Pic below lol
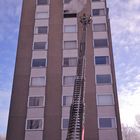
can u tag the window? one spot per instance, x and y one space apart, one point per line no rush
67 100
103 79
99 60
41 30
40 45
65 123
39 63
105 99
99 27
41 15
69 28
42 2
107 123
68 80
70 45
70 62
100 43
98 12
38 81
36 101
34 124
69 15
66 1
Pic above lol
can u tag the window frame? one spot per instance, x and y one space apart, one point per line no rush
69 58
70 85
63 100
99 24
108 94
38 85
39 66
67 2
107 60
99 10
74 41
110 117
26 126
101 39
109 83
42 4
31 96
46 46
62 123
64 30
38 18
36 30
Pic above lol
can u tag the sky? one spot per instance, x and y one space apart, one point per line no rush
125 20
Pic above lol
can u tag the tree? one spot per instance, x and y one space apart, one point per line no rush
137 117
130 133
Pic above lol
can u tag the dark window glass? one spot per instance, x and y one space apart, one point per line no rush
42 2
100 43
39 63
103 79
98 12
35 101
101 60
42 30
65 123
105 122
67 1
70 15
39 45
34 124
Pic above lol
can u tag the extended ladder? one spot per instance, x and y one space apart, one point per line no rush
76 119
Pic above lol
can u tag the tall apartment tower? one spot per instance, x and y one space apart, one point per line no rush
45 71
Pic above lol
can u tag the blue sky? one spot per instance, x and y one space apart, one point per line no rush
125 19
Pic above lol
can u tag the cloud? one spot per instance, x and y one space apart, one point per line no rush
4 110
125 20
9 21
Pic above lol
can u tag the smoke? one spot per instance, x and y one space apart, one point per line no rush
75 6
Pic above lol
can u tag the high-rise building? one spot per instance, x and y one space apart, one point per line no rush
46 66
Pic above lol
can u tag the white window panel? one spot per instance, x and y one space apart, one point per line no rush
70 44
41 15
68 80
69 28
105 99
96 5
37 81
99 27
34 135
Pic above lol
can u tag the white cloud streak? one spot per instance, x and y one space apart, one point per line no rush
125 21
9 21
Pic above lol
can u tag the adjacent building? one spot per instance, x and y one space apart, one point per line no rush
45 71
